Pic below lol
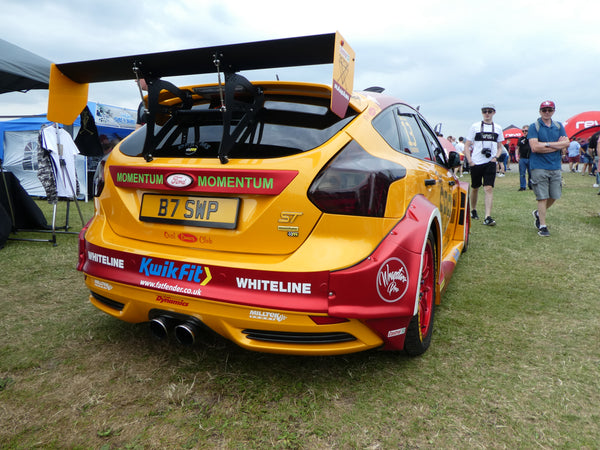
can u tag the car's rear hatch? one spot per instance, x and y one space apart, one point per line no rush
253 202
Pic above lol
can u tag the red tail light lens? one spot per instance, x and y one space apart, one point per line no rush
355 183
81 259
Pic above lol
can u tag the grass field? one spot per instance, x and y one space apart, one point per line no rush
514 361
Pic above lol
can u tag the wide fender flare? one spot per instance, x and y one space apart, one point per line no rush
425 212
386 284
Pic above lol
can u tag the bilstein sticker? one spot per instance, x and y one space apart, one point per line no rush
392 280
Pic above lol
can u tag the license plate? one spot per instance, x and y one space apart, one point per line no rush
211 212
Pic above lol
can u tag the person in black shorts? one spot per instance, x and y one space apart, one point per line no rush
482 150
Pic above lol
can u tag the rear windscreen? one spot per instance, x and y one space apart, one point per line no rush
282 126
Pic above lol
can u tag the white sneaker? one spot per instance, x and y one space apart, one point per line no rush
596 185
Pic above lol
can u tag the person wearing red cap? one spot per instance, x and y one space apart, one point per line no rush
548 139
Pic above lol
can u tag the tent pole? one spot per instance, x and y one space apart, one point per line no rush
68 214
54 224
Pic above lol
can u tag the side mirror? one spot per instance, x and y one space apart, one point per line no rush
454 160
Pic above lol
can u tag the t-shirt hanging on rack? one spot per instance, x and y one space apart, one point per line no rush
63 165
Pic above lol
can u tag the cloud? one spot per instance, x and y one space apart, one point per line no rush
447 57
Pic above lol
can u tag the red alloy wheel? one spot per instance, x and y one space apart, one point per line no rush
426 291
420 328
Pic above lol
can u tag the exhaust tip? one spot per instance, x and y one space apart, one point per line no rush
186 333
159 327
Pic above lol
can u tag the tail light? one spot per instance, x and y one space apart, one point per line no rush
81 258
355 183
99 177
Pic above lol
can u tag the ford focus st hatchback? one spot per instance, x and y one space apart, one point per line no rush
287 217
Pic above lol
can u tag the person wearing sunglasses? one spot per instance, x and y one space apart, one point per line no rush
547 139
482 150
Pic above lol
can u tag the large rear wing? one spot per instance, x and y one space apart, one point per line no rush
69 81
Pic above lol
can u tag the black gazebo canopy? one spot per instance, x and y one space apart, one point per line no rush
21 70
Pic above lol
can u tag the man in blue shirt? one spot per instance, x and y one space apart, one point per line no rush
547 139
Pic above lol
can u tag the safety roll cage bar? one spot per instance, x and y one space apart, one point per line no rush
180 112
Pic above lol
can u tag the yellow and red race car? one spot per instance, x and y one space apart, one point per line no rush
287 217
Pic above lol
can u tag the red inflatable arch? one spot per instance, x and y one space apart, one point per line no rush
583 125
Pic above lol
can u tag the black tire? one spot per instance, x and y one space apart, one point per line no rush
467 226
420 329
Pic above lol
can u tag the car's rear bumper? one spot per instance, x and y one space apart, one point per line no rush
259 329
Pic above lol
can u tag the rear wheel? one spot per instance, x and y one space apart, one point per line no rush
418 334
467 226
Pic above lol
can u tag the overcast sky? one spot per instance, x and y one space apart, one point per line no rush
447 56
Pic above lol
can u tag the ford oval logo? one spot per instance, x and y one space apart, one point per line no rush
179 180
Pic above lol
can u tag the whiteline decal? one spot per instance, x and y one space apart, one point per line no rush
273 286
105 260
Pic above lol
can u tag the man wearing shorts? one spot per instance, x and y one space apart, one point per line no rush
573 151
482 150
547 139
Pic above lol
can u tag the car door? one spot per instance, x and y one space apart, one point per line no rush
446 181
429 179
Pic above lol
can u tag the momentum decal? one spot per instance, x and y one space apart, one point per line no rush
229 181
139 178
392 280
236 182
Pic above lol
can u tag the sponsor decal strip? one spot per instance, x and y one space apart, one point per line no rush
249 287
266 182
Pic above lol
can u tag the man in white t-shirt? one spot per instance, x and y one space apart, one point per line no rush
482 150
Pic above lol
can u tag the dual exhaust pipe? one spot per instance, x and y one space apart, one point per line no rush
185 332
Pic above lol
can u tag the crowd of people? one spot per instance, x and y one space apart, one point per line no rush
540 154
